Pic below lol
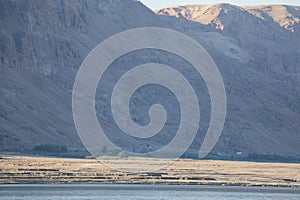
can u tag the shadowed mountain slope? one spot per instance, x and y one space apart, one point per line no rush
43 43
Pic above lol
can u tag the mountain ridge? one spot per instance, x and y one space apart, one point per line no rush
195 12
43 44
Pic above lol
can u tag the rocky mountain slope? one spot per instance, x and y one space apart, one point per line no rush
263 86
42 45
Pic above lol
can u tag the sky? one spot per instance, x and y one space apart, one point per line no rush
155 4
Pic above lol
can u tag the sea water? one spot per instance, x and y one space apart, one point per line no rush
135 192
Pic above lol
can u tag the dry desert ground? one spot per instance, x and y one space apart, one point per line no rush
28 169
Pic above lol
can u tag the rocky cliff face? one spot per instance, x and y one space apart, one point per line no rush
44 36
43 43
287 17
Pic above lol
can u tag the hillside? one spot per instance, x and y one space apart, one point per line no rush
263 88
42 45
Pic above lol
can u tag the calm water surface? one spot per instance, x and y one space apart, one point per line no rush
135 192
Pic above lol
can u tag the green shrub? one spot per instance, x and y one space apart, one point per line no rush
50 148
104 150
267 157
89 157
122 154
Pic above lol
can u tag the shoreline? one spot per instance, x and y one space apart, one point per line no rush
91 184
45 170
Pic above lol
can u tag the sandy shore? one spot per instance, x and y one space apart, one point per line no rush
25 169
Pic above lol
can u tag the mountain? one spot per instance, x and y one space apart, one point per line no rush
42 46
223 14
263 77
256 49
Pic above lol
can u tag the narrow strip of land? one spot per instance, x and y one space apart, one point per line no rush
25 169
